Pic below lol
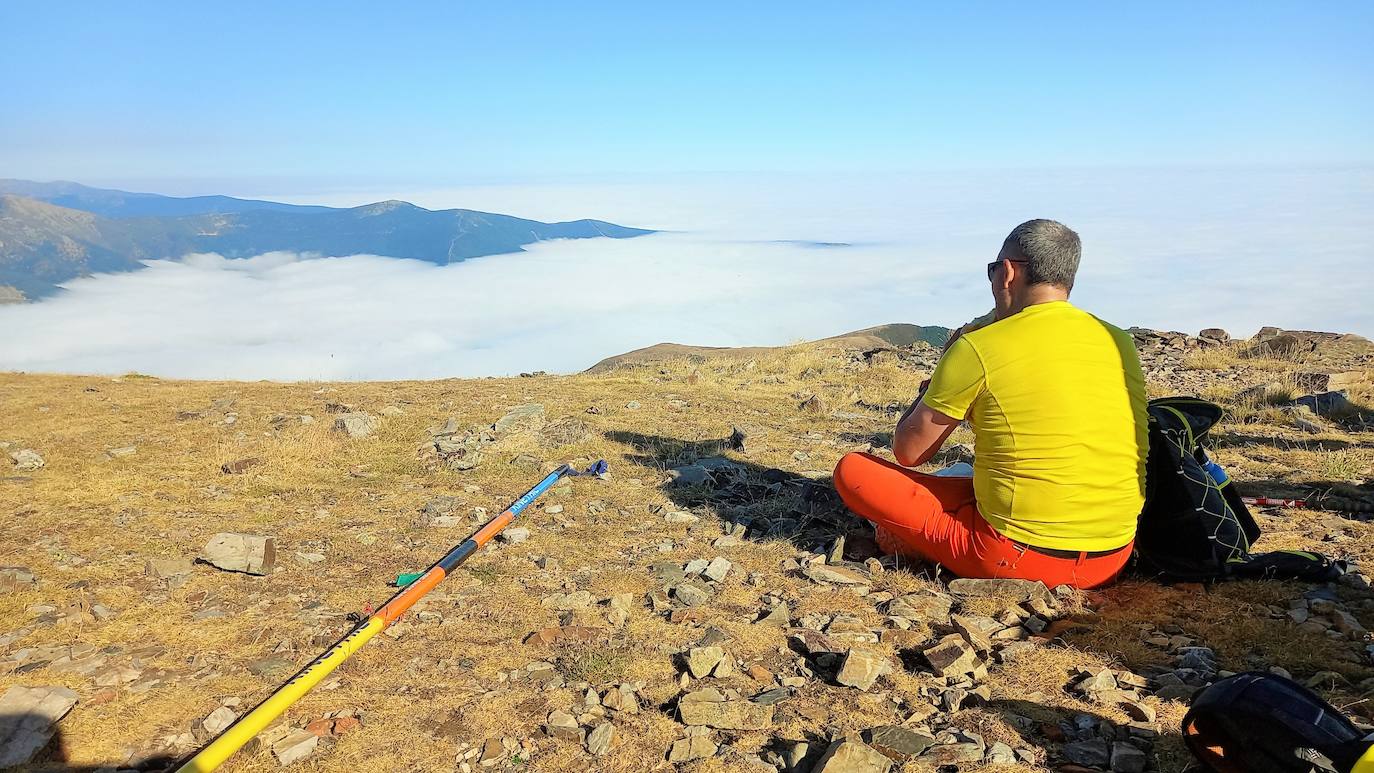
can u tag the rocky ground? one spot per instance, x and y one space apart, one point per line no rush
173 550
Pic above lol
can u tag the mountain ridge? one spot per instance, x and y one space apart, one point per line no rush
895 334
109 202
43 244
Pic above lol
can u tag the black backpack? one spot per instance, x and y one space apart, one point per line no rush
1262 723
1194 526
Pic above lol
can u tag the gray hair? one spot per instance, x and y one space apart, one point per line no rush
1050 249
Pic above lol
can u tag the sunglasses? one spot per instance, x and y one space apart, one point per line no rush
992 267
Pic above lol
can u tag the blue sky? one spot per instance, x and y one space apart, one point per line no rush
1231 141
231 95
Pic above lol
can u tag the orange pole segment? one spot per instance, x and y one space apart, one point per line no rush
494 527
404 600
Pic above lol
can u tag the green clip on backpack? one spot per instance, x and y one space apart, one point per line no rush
1194 526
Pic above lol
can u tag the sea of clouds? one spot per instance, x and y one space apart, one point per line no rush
738 263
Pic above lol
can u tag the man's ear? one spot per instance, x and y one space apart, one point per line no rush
1002 278
1012 273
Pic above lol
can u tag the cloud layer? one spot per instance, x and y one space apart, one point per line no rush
561 306
1180 250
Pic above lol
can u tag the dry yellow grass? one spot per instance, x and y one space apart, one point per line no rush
1279 357
87 522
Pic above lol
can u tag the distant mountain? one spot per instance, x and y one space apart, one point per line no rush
896 334
111 203
880 337
43 244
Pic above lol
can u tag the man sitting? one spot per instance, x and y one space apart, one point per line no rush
1056 400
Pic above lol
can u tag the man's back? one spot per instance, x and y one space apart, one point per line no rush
1057 401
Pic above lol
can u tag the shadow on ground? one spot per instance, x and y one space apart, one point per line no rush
52 756
756 502
1343 499
1036 723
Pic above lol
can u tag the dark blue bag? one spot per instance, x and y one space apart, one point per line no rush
1194 527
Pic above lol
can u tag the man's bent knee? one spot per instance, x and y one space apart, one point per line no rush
849 470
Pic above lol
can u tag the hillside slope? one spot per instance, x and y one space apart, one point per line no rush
698 563
42 245
897 334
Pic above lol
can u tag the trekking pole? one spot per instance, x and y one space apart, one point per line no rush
1273 502
1319 502
249 725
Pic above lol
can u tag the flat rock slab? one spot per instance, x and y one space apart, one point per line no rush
355 425
28 720
548 637
248 553
717 569
691 594
709 708
837 575
690 475
219 719
295 746
1012 590
952 656
779 615
898 743
600 739
921 606
561 724
862 668
852 757
16 577
701 661
1093 753
771 696
26 460
814 643
697 747
527 416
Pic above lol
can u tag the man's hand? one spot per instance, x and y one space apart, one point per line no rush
969 327
954 336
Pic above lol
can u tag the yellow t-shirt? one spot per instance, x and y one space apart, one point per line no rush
1056 398
1365 764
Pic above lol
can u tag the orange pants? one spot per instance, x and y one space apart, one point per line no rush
937 519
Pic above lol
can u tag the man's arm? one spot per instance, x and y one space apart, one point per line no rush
920 433
944 400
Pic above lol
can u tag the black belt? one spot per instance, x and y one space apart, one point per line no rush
1072 555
